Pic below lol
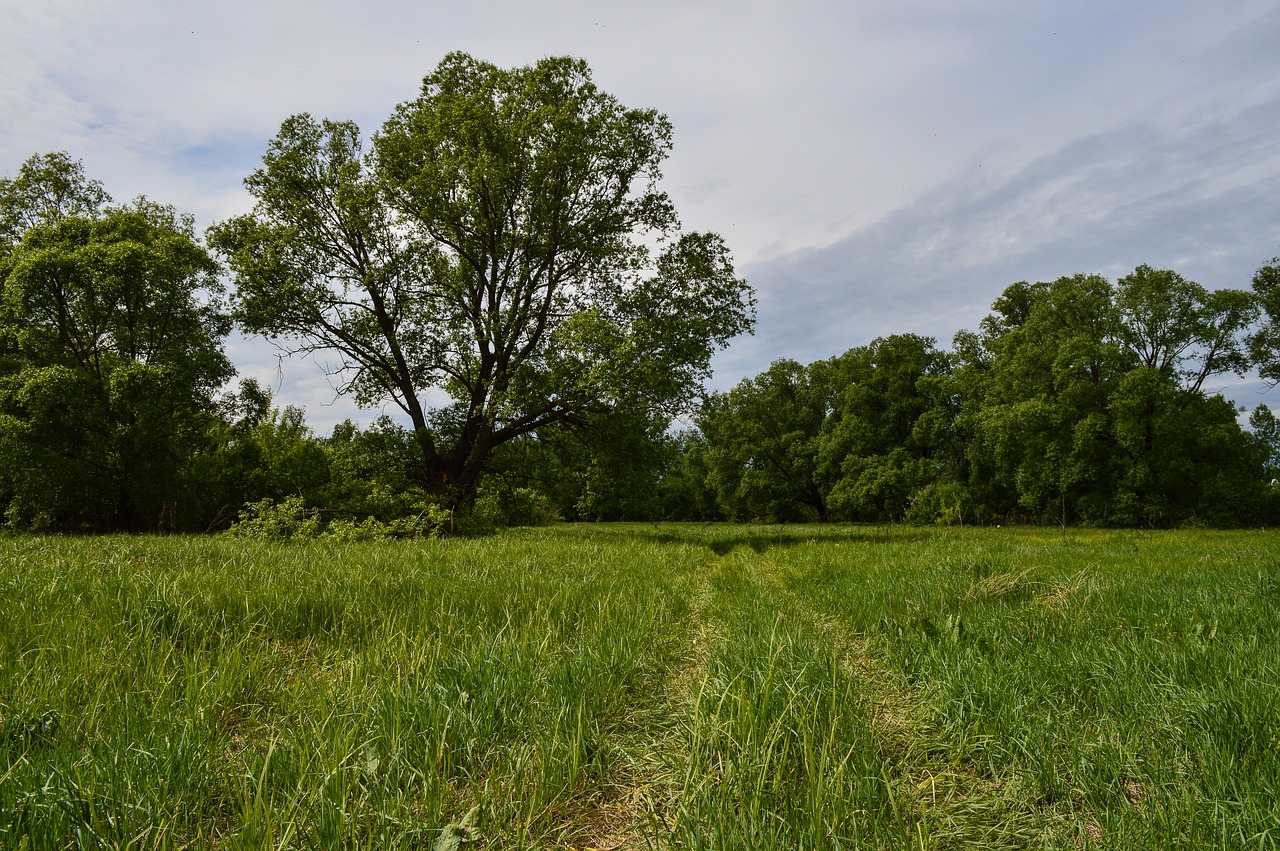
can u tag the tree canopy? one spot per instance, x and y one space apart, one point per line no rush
110 352
499 260
505 244
1076 401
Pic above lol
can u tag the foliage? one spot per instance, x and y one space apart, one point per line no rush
1035 386
1181 330
110 353
47 189
1077 401
498 506
255 451
1264 343
889 432
505 244
1084 402
762 443
291 518
374 471
494 245
607 466
945 503
1266 430
848 438
684 489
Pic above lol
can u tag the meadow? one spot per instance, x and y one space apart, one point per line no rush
641 686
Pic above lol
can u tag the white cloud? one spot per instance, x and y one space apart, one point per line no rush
877 167
1195 198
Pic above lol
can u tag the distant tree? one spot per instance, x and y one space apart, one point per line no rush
607 466
1266 430
264 452
1264 344
110 353
373 470
1085 402
684 491
1035 382
762 443
47 189
888 433
495 247
849 438
1184 332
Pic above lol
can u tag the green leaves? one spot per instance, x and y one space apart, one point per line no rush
1264 344
111 328
47 189
1083 401
1182 330
1076 401
762 443
494 245
852 437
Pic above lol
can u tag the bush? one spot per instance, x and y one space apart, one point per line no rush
268 519
290 518
499 506
943 503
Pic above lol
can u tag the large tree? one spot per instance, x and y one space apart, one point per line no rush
849 438
1184 332
110 353
1264 344
889 430
505 243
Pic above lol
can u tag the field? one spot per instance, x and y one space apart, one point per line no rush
625 687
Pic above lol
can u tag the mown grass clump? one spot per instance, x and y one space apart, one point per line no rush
638 686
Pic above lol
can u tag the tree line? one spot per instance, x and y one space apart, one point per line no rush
1076 401
504 243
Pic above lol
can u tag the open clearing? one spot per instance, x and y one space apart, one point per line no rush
640 686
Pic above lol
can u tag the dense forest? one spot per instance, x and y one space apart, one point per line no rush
505 241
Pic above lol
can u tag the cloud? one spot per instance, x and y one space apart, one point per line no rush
877 167
1195 197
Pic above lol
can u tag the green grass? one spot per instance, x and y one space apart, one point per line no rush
633 686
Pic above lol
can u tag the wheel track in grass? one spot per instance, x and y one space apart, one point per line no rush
632 808
945 802
662 766
941 801
658 771
655 767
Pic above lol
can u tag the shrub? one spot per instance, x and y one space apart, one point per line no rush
266 518
498 505
290 518
943 503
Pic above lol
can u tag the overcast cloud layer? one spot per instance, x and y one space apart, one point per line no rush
878 167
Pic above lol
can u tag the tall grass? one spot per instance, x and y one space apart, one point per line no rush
633 686
1108 689
776 751
170 692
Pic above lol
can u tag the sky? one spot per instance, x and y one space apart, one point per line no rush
878 167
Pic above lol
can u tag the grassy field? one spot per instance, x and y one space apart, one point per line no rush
616 687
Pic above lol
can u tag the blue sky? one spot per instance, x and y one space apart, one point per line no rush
877 167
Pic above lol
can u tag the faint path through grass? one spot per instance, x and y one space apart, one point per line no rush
627 687
939 799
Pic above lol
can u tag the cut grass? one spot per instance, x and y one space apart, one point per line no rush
635 686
